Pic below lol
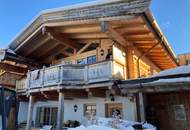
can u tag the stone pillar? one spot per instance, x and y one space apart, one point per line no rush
30 113
60 112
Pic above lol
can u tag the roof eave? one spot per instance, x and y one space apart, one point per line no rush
45 17
158 31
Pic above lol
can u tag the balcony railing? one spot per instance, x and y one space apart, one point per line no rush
68 75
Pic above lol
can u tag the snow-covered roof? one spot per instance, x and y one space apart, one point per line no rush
175 71
177 79
169 81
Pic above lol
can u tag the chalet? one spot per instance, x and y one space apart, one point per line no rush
184 59
9 73
77 55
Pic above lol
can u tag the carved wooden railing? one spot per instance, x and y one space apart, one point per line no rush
68 75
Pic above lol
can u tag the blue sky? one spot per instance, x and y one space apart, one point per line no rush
172 16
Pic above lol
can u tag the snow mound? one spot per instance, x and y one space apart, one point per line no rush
112 124
175 71
95 127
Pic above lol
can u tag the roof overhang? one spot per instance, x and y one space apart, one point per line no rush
130 20
8 56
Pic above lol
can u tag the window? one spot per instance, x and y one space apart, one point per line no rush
113 109
91 59
88 60
89 109
46 116
180 113
82 61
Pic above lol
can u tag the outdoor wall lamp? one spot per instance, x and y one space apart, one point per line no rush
75 108
112 98
102 52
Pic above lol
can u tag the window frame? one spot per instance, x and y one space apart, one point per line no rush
42 117
91 105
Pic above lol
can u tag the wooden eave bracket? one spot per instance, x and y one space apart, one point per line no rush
58 37
150 22
107 28
84 48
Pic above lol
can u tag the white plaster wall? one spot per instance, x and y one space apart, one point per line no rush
23 110
129 108
69 113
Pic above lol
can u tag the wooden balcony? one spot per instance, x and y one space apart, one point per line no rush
71 75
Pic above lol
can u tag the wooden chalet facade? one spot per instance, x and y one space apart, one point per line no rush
184 59
78 54
9 73
166 97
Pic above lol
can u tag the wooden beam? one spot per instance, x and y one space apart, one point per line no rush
61 38
67 53
89 36
86 41
3 110
154 50
160 58
130 36
130 63
12 68
54 52
60 113
30 113
155 32
84 48
124 20
157 54
141 107
49 49
28 52
59 51
114 35
132 26
133 39
145 42
134 30
79 29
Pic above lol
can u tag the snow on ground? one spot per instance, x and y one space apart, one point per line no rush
111 124
175 71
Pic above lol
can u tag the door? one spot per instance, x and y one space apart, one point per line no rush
46 116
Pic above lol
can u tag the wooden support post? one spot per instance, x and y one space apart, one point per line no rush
130 63
140 107
30 113
4 123
60 112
